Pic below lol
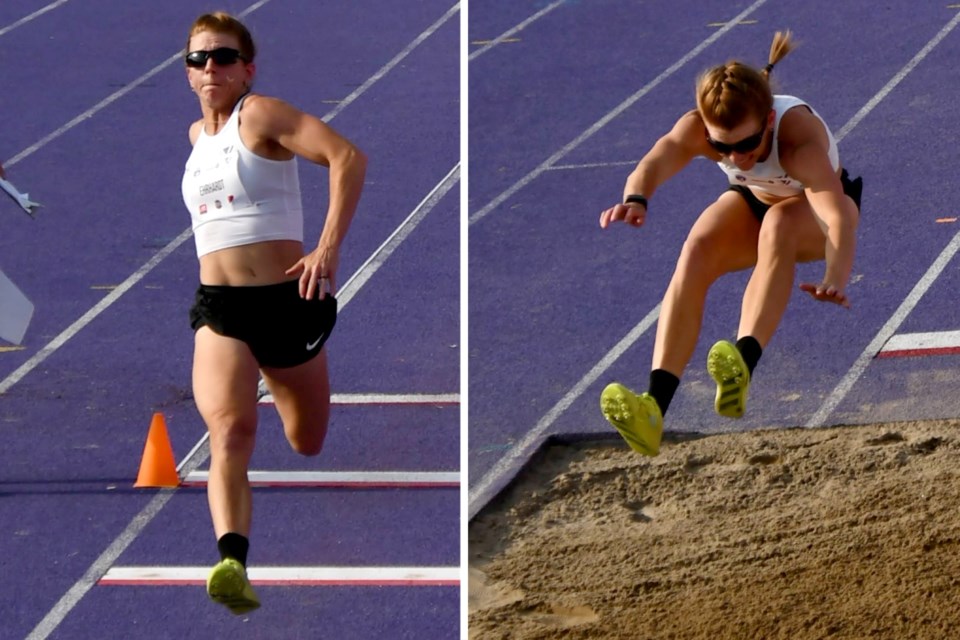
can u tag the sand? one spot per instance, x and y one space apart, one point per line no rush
843 532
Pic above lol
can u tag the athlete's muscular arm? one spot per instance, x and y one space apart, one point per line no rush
804 155
285 130
671 153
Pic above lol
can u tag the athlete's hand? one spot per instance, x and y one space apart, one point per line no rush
633 214
318 272
826 292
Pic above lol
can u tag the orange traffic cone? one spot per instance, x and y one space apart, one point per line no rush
158 468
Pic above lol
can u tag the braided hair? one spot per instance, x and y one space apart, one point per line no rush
729 94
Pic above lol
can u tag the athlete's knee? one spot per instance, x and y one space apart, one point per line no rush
306 437
700 259
231 433
308 448
779 230
309 443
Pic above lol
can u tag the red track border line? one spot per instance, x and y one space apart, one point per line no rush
937 343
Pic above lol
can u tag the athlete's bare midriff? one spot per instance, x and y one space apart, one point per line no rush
254 264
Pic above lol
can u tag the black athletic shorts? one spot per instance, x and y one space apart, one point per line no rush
281 328
853 188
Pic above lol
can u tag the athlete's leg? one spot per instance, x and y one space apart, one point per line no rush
302 397
723 240
790 234
225 388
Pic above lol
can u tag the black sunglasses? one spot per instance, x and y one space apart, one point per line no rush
743 146
222 57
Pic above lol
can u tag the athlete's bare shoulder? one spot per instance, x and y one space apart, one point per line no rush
194 132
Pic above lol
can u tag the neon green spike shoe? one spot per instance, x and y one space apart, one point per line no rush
636 417
228 585
727 368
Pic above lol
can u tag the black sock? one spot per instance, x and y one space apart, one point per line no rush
663 385
233 545
751 351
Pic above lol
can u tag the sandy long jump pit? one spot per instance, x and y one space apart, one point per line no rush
843 532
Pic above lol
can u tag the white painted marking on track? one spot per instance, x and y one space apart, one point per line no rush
890 327
36 14
523 449
89 316
385 398
592 165
886 332
339 479
69 600
103 563
605 120
513 31
526 446
285 576
89 113
929 341
113 97
397 59
375 261
897 79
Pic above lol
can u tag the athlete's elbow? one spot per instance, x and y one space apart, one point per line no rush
359 161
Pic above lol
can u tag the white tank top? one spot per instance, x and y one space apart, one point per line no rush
236 197
769 176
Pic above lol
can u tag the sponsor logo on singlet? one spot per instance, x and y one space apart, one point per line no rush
210 187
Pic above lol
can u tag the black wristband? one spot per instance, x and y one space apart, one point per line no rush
636 197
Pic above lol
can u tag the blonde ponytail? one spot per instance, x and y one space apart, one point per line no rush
783 43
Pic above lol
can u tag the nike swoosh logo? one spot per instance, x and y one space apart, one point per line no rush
312 345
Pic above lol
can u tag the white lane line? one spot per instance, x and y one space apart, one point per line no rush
397 59
510 32
102 564
69 600
593 165
52 346
886 332
903 73
89 113
520 452
375 261
386 398
290 576
340 479
605 120
921 344
36 14
113 97
890 328
490 482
